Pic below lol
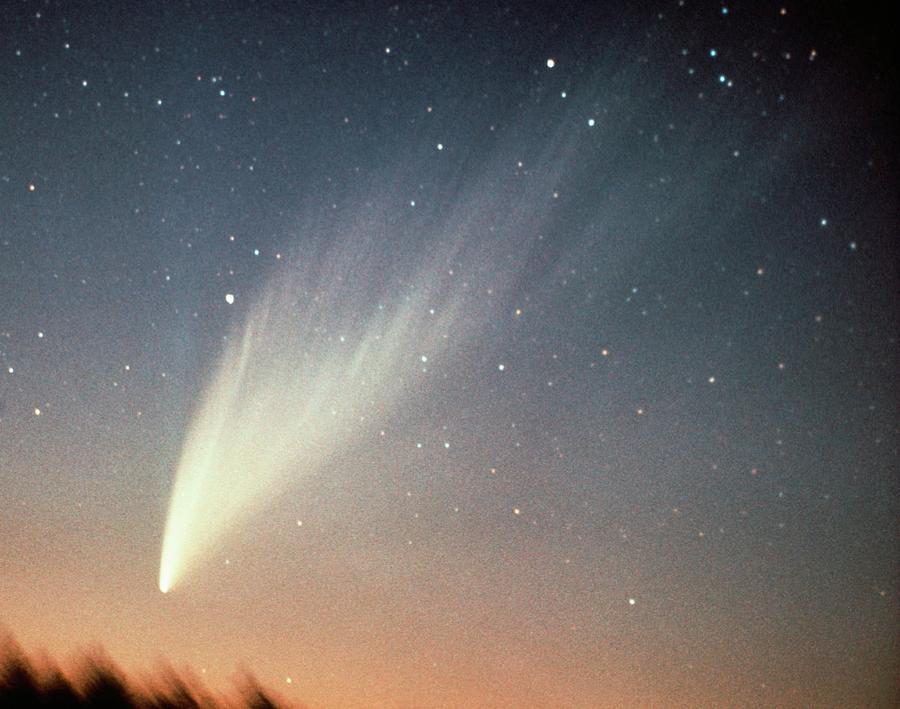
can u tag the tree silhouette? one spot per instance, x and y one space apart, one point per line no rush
25 684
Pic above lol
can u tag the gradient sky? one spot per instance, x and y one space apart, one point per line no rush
651 458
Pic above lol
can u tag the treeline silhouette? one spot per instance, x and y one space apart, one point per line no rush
30 681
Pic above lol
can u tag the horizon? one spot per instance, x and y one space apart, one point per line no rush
89 677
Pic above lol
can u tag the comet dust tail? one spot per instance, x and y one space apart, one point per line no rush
339 341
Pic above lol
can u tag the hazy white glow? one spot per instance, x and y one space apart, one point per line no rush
311 364
343 336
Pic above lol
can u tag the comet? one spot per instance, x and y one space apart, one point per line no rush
351 330
326 349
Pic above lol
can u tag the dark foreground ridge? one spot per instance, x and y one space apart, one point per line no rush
32 681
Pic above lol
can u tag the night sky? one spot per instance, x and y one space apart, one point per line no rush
472 355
